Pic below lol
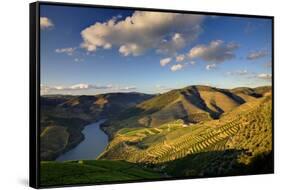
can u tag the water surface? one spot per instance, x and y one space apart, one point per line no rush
94 143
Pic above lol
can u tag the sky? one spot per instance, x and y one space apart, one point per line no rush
86 50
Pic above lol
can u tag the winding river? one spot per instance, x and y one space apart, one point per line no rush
94 143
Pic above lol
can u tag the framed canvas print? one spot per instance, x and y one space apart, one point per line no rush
121 94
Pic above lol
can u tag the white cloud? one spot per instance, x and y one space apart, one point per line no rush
165 61
162 88
127 88
180 58
80 86
133 35
176 67
68 51
107 46
83 86
78 60
192 62
264 76
216 51
170 47
238 72
44 89
45 23
47 89
119 16
211 66
251 75
130 49
256 54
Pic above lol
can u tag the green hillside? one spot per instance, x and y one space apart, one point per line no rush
243 134
196 131
192 104
89 108
59 135
93 172
64 117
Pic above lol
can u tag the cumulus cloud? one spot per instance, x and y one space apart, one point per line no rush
130 49
216 51
170 47
256 54
133 35
45 23
68 51
165 61
211 66
176 67
264 76
180 58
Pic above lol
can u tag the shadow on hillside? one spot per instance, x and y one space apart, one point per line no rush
218 163
196 99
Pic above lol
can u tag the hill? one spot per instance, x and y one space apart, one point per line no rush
233 144
64 117
93 172
197 131
90 108
192 104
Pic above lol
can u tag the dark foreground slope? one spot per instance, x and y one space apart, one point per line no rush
93 172
64 117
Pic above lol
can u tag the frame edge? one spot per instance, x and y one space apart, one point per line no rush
33 117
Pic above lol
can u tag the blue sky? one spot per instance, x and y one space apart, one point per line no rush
95 50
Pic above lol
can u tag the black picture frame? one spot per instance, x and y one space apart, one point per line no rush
34 83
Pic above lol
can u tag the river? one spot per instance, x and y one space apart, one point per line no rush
94 143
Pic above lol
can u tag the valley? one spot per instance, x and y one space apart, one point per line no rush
94 143
246 128
196 131
64 117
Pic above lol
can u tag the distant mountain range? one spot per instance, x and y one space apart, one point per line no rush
192 104
63 117
197 131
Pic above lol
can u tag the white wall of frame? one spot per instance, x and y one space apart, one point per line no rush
14 95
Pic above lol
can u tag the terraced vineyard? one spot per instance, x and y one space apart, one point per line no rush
176 140
189 143
191 132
